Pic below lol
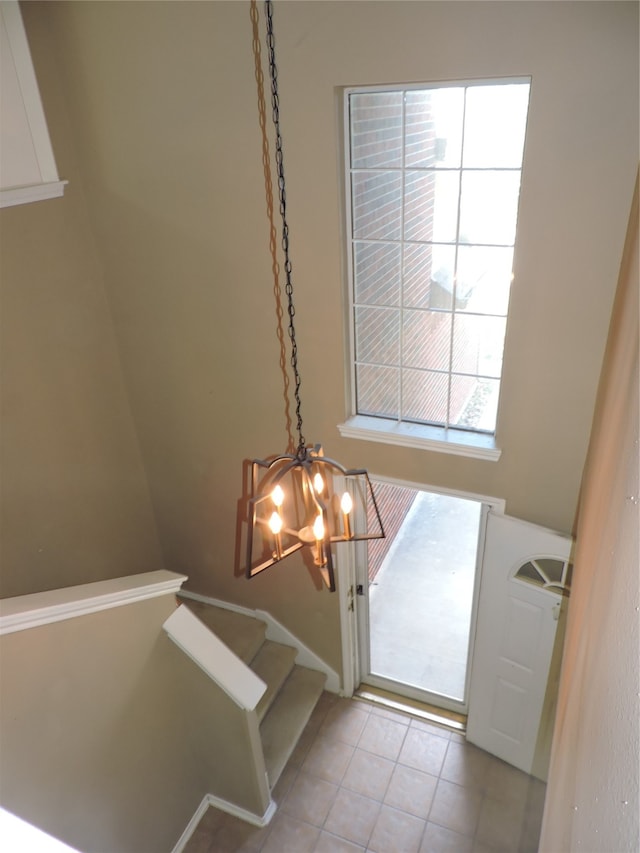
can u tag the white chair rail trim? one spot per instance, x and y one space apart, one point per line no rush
215 658
277 632
42 608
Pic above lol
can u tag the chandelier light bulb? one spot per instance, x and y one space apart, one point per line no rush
318 528
318 532
318 484
277 496
347 505
275 523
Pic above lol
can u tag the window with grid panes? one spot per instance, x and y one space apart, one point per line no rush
434 177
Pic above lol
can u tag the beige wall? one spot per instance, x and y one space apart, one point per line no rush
593 797
162 107
111 737
75 499
152 112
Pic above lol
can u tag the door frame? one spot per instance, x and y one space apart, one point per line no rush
354 627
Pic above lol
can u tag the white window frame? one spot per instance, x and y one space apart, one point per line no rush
460 442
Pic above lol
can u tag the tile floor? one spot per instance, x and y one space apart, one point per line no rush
364 778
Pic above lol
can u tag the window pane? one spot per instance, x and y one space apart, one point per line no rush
377 205
378 335
376 130
477 344
377 273
435 183
426 339
428 276
484 279
494 127
434 127
431 206
377 390
474 403
529 572
488 207
553 569
424 396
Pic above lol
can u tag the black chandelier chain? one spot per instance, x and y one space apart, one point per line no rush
275 107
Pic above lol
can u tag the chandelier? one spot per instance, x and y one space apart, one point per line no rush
302 499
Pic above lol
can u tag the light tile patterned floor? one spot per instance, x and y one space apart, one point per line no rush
363 778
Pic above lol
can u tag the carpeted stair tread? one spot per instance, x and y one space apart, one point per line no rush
272 664
244 635
287 717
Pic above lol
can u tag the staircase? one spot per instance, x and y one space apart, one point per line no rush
292 691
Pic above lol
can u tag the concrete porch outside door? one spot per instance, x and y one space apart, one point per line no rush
420 600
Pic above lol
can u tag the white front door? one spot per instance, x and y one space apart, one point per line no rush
524 571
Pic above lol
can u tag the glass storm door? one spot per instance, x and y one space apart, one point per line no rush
416 610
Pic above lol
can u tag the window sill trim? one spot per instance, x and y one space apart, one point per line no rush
437 439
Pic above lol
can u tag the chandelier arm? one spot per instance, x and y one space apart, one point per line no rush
275 109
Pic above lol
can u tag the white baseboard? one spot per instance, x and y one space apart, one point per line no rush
229 808
191 826
279 634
